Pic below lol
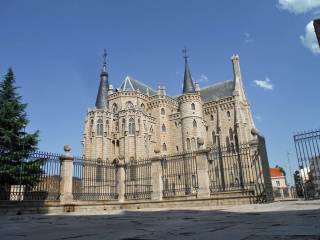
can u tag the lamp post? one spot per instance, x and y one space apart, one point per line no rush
289 166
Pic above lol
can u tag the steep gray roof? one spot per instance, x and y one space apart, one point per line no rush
101 101
217 91
129 84
188 86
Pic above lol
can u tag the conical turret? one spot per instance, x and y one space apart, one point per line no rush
102 101
188 86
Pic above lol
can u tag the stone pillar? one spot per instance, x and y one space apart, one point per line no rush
202 172
121 184
66 176
156 179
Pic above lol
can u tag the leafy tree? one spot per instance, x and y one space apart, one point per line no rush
15 144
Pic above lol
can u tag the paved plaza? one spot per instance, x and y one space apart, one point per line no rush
279 220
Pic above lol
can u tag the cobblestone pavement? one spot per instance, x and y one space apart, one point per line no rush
280 220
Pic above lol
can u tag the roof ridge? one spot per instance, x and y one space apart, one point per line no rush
143 84
215 84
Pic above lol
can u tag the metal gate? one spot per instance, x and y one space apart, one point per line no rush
179 175
307 178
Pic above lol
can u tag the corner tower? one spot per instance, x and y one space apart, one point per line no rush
95 139
191 114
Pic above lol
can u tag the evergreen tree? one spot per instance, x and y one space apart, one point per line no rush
15 143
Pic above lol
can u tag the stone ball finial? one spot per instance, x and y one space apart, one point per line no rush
200 141
67 148
156 150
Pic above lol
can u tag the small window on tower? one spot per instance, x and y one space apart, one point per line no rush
193 106
99 128
164 147
228 114
194 123
163 128
163 112
211 118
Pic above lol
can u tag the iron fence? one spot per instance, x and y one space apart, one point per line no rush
232 169
29 176
307 178
179 175
94 180
138 179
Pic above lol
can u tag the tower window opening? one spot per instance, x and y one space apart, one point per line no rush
194 123
193 106
100 127
131 126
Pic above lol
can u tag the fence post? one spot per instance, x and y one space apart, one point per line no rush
202 172
261 166
121 178
156 179
66 175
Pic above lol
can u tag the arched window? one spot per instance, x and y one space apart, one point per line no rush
228 114
233 150
107 127
114 108
151 129
163 112
194 123
91 128
99 127
228 144
142 107
211 118
230 134
131 126
193 143
123 125
163 128
176 124
188 144
214 138
129 105
193 106
164 147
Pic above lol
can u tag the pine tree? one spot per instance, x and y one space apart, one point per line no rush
15 143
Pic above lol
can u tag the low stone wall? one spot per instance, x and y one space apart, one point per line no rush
56 207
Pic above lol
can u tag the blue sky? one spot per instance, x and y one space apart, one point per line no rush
55 49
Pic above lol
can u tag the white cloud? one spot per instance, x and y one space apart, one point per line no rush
265 84
299 6
202 78
247 38
309 40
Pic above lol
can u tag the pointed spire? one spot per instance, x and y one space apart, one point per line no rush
188 86
101 101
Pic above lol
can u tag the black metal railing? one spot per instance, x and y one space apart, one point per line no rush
232 169
179 175
307 178
29 176
138 179
94 180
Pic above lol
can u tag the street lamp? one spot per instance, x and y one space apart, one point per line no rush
289 166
